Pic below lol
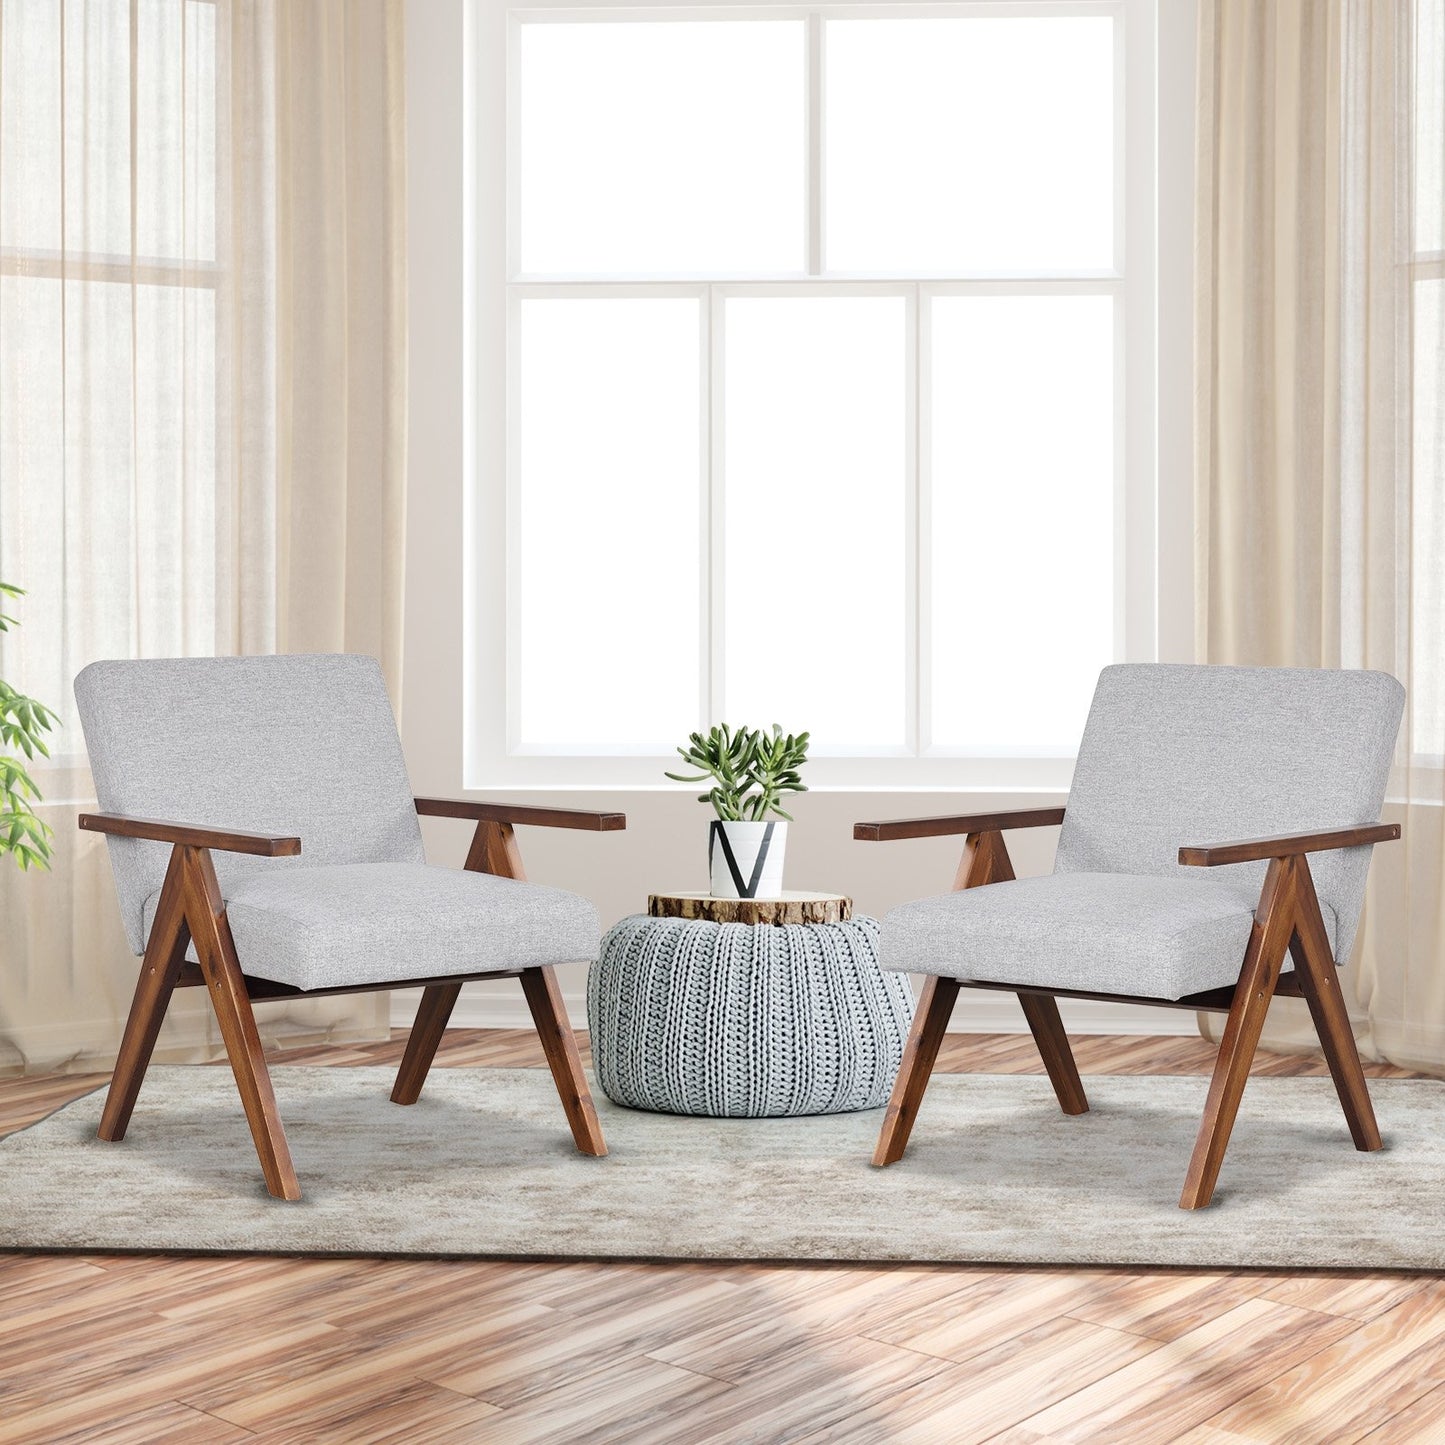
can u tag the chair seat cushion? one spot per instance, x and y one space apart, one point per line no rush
360 923
1143 936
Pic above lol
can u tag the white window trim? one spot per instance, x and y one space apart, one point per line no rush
1155 357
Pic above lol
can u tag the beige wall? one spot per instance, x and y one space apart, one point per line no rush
664 845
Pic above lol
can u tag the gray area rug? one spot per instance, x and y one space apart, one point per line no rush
483 1166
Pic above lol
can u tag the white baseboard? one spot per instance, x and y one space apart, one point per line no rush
979 1013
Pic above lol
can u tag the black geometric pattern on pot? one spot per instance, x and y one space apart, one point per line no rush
717 833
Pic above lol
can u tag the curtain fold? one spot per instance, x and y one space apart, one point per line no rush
1266 336
202 408
1320 464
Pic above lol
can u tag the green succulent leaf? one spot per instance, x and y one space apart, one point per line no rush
750 769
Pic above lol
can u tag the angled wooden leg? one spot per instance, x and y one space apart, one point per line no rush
1268 940
1042 1013
161 966
930 1022
1319 982
985 860
437 1002
544 998
493 850
206 915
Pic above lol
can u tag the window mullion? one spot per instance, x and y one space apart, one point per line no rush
920 560
814 86
714 683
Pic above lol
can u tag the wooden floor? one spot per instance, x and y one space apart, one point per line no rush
151 1349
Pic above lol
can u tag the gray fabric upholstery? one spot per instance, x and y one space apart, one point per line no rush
364 923
1123 933
1178 754
1175 755
304 745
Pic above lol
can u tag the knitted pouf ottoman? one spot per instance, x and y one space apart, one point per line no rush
735 1020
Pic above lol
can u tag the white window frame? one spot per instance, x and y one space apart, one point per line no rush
1147 596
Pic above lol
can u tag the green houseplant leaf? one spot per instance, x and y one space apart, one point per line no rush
23 722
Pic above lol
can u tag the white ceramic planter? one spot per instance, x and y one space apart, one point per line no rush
746 859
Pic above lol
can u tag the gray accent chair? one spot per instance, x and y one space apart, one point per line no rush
1182 879
265 844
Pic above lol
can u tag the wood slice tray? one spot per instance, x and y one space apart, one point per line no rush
790 908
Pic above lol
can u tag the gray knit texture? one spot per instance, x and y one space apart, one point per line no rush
738 1021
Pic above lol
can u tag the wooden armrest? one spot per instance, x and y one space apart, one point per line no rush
1256 850
193 835
518 813
956 823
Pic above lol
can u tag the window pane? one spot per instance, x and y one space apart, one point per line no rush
662 147
815 440
1427 641
107 476
82 51
610 446
1022 487
176 130
96 117
175 127
175 467
34 497
969 145
30 203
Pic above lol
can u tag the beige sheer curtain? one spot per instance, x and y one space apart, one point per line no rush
1320 417
202 406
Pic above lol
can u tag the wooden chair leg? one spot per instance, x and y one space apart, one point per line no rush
544 998
206 915
159 969
1319 982
985 860
437 1002
930 1022
1042 1013
1268 940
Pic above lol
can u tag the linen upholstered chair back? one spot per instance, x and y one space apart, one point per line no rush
297 745
1177 754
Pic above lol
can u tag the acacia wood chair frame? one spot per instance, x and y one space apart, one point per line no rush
191 909
1287 920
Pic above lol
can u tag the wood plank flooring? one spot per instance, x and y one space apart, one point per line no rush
154 1350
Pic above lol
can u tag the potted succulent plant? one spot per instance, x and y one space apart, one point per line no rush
22 721
749 770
